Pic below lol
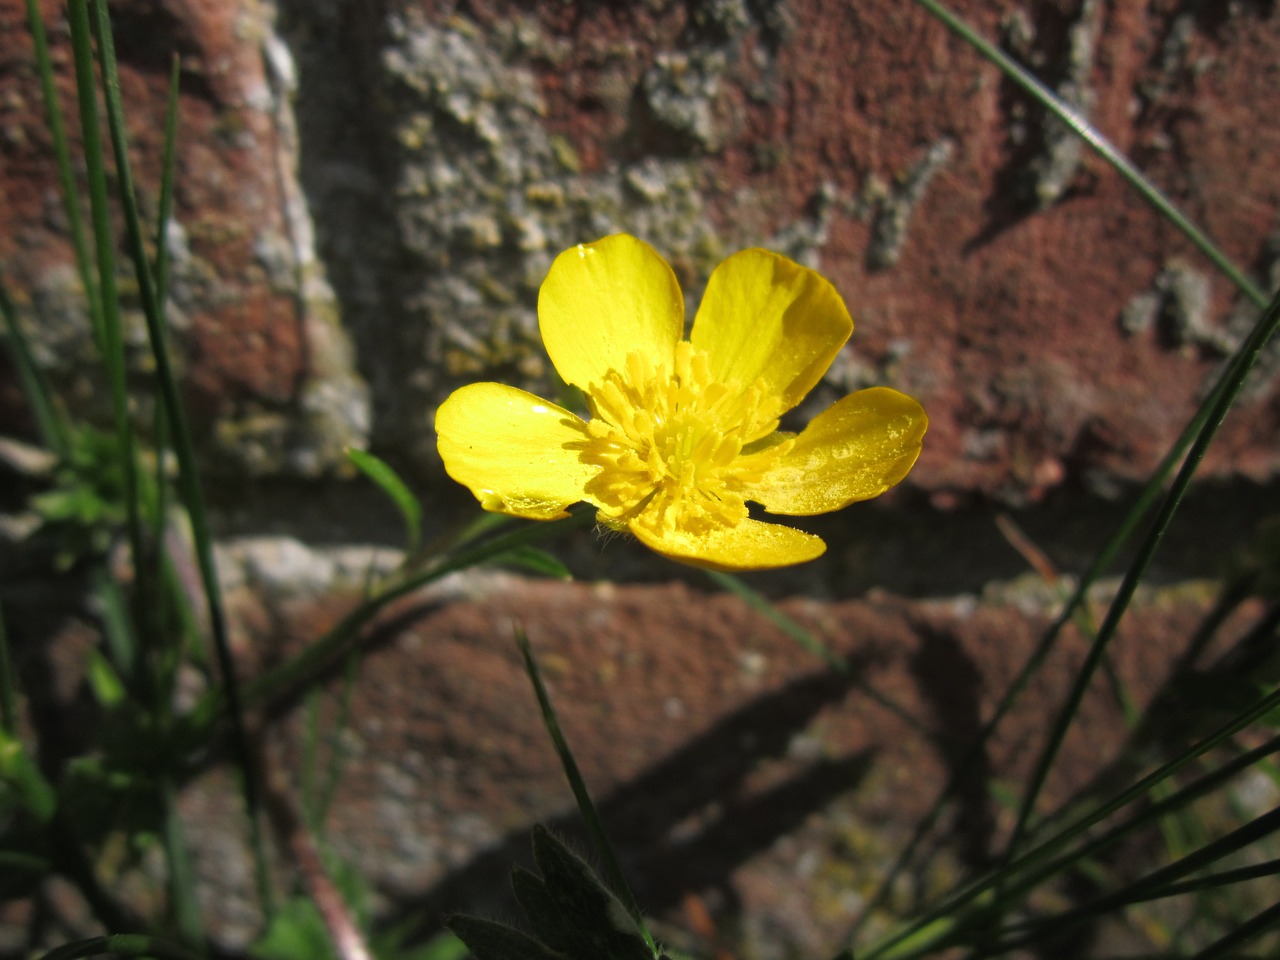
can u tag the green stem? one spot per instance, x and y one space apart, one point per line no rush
586 806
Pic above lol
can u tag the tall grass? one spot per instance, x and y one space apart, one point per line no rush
149 628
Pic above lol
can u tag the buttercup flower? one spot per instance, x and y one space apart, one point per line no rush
683 432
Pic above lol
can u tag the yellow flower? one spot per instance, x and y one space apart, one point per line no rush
683 432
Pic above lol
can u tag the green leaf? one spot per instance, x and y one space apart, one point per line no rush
296 932
104 681
540 909
536 561
18 770
395 488
573 914
596 919
490 940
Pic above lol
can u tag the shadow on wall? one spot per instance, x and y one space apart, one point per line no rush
702 787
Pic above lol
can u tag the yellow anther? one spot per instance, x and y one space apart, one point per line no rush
667 441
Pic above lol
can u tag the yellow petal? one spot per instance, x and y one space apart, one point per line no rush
513 450
604 300
856 449
748 545
767 318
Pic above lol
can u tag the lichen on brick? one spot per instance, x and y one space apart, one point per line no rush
681 89
894 210
1051 170
1179 308
483 212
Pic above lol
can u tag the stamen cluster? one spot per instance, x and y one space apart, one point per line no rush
669 444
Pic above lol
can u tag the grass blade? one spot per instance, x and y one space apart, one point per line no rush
1151 887
50 423
590 816
111 334
396 489
1105 148
159 517
1256 926
1150 492
1040 854
1232 381
62 157
181 873
164 212
535 561
1210 881
113 619
1146 500
317 798
193 497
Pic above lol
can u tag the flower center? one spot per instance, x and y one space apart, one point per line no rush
669 444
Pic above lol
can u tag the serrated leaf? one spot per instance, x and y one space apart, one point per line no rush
597 920
490 940
536 561
540 908
395 488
